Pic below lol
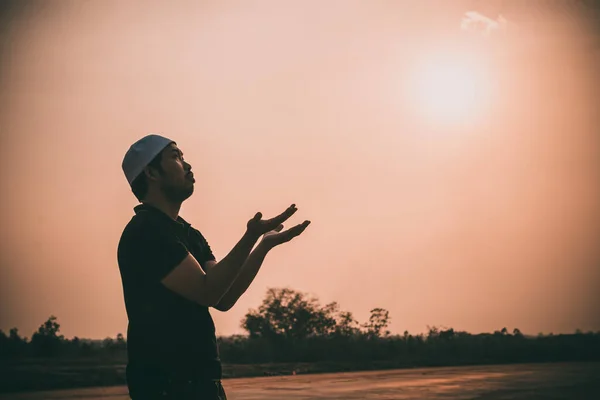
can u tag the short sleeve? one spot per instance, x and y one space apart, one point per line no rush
150 255
206 253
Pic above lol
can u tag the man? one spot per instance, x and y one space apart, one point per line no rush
171 278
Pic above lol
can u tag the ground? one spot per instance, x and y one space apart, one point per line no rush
572 381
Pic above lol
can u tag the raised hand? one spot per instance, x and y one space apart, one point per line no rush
257 226
277 236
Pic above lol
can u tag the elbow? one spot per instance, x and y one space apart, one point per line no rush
210 300
222 306
224 303
219 303
211 296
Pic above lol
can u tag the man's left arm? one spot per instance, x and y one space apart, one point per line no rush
254 262
244 279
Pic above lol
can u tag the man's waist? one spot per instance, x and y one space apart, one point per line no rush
182 370
178 340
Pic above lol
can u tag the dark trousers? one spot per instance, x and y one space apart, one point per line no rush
201 390
168 386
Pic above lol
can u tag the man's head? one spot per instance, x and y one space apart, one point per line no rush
154 166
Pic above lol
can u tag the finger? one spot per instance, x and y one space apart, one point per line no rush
291 233
295 231
279 228
284 215
287 213
301 226
258 216
298 229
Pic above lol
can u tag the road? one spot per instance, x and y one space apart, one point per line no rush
508 382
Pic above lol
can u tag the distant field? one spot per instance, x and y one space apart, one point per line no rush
52 374
572 381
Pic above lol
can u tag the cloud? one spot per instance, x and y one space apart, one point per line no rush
476 22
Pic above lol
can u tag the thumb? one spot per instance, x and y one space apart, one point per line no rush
258 216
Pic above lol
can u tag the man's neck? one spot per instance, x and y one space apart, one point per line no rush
171 209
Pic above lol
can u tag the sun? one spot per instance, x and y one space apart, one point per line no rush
450 88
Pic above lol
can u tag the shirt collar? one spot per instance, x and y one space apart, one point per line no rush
150 208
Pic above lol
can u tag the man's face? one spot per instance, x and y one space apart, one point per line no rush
176 180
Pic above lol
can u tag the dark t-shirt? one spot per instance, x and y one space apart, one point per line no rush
166 332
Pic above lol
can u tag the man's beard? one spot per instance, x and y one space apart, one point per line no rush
177 194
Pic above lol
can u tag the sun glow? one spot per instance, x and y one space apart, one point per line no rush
450 87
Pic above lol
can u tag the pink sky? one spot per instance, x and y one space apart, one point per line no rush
479 227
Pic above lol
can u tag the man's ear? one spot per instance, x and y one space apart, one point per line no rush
151 173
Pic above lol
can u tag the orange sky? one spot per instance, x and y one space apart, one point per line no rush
477 227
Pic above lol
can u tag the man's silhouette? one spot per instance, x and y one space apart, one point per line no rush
171 278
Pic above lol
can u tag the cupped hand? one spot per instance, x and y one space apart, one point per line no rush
278 236
257 226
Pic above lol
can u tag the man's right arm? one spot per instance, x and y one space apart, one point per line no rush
189 280
207 288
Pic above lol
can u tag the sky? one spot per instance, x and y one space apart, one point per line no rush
451 186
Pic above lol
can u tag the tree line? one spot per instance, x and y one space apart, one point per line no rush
291 327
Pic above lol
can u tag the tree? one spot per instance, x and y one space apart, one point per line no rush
286 313
120 343
17 344
447 334
14 336
432 332
502 332
46 341
517 332
378 323
346 325
4 349
108 343
12 344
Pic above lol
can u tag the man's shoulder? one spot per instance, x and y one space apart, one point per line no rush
141 225
147 239
141 222
197 236
196 231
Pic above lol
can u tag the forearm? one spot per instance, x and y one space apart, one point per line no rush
244 279
225 272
